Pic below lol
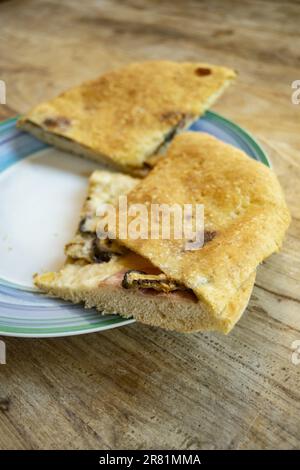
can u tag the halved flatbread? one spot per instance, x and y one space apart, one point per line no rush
125 117
101 284
245 216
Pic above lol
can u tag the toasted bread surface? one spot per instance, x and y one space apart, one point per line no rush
123 117
244 209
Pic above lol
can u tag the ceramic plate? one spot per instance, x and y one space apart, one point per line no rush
41 192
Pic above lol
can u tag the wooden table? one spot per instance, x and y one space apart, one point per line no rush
141 387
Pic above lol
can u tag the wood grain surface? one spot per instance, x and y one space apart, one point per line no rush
141 387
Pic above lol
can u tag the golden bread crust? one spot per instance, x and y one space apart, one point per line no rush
124 115
244 207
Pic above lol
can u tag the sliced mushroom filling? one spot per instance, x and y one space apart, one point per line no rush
104 250
158 282
92 249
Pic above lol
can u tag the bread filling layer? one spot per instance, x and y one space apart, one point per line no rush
117 281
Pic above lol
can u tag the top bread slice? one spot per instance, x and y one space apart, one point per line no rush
245 216
125 117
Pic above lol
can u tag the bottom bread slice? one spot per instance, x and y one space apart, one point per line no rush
100 286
